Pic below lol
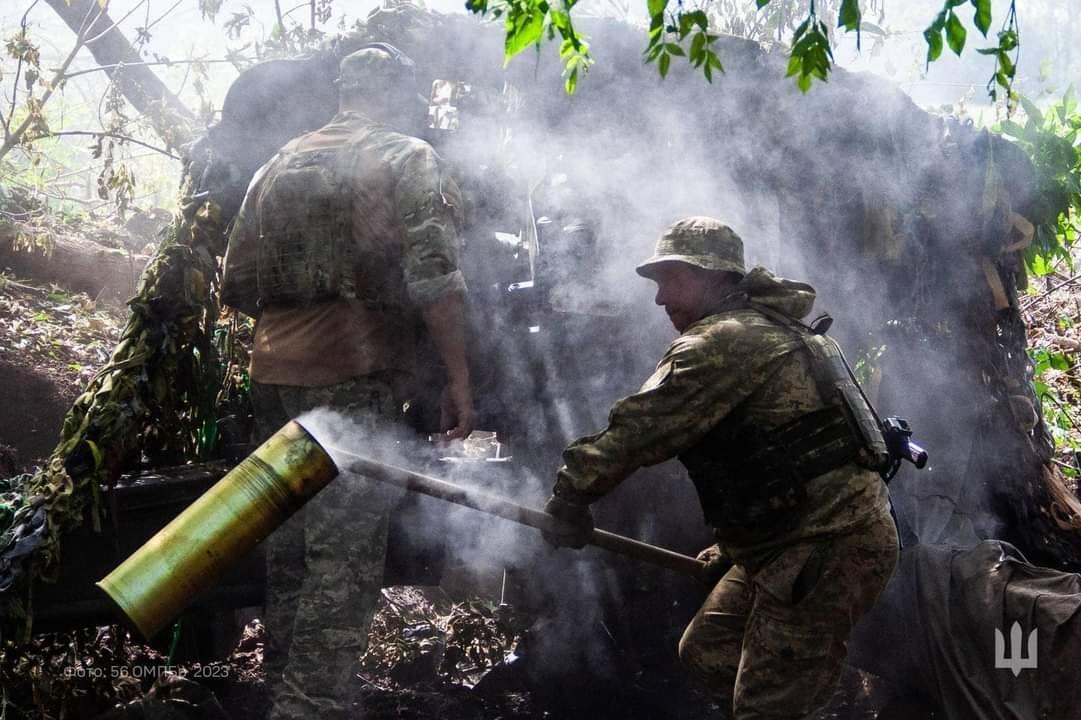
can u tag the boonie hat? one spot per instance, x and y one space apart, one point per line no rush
700 241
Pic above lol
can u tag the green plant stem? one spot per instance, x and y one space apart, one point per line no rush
1066 413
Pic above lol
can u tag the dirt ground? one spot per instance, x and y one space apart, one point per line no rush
51 344
430 658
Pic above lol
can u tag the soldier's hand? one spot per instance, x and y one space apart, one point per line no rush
457 411
575 524
716 565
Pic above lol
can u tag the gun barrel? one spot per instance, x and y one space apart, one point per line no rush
508 510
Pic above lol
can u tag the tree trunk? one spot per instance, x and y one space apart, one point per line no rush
143 89
80 265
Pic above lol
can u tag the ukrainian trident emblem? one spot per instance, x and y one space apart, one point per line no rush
1016 661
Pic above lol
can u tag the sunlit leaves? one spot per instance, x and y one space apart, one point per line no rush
525 26
667 39
676 31
849 17
948 29
811 55
527 22
955 33
1005 66
1050 139
933 36
983 16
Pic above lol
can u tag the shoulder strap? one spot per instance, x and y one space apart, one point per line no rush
836 385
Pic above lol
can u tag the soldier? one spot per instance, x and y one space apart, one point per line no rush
782 448
344 237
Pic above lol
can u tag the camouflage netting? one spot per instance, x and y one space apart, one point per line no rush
154 401
900 219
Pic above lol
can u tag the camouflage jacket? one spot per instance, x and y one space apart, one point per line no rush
732 370
405 214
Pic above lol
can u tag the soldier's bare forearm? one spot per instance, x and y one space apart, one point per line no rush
445 320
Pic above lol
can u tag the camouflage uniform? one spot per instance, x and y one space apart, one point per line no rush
325 564
353 353
770 637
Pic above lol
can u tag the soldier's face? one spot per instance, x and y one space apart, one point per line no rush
684 292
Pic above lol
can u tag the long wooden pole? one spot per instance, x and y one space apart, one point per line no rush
501 507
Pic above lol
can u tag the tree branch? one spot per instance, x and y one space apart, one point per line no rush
170 117
100 68
116 24
278 13
117 136
1050 290
162 16
14 138
18 72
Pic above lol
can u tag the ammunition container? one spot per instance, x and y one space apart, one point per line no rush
167 573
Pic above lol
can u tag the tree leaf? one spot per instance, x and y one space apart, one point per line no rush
571 83
699 18
523 31
934 43
698 46
663 63
1007 40
1031 110
849 17
656 7
1006 65
955 33
982 18
795 64
1009 127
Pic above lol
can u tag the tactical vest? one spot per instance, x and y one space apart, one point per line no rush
305 252
752 483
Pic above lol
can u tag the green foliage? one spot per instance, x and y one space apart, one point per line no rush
527 22
1005 65
811 54
1057 416
1052 141
949 24
668 33
688 32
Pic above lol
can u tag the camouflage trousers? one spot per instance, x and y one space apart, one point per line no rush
770 641
325 564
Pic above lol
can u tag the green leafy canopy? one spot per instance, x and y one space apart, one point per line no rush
678 30
1052 140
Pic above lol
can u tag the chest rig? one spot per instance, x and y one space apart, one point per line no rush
752 482
305 251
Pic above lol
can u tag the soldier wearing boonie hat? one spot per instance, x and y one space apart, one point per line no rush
747 399
345 239
699 241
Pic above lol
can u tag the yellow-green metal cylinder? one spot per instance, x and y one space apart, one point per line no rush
162 577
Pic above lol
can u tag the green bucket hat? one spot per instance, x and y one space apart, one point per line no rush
699 241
